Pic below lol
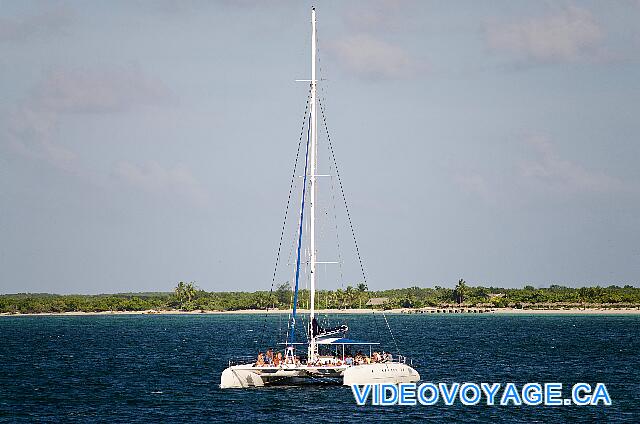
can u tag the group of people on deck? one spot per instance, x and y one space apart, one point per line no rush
361 359
269 359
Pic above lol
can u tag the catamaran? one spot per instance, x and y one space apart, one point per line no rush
330 356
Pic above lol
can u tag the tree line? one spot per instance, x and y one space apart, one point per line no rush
188 297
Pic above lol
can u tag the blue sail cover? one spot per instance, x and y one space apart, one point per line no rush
292 335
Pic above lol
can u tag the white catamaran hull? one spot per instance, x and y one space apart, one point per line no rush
242 376
392 373
237 378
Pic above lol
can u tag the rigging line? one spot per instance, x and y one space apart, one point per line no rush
333 190
324 119
286 212
339 302
391 332
335 220
319 57
292 248
346 206
344 198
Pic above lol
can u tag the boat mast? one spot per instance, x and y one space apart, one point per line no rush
312 214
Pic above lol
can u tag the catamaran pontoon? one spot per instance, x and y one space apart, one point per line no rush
327 358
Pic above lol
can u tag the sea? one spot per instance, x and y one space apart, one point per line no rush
166 368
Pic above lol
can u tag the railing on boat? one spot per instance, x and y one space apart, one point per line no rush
403 360
242 360
249 360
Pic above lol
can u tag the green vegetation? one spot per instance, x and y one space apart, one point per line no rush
188 297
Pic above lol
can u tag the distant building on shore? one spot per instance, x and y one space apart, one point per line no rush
377 301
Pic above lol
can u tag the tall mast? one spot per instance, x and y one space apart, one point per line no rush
312 200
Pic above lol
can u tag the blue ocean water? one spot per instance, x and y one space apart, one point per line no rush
166 368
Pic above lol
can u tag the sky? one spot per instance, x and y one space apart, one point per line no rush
144 143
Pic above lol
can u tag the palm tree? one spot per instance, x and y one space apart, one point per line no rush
349 294
283 294
362 287
190 290
339 299
585 295
179 291
185 292
460 291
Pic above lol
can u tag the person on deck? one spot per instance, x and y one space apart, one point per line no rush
260 361
269 359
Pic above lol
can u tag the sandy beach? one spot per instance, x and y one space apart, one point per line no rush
587 311
422 311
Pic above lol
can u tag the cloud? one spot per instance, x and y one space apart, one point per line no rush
30 134
569 36
33 124
96 91
387 15
371 57
158 180
545 172
473 183
553 172
52 21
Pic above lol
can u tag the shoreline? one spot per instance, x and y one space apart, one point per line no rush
405 311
